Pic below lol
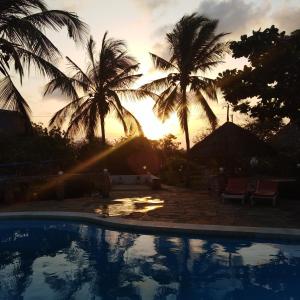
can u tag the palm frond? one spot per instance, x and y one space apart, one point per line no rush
80 121
161 63
22 7
204 66
214 51
207 110
157 84
132 123
124 75
46 68
79 75
183 115
57 19
24 33
204 34
181 41
10 53
124 82
67 86
91 45
120 116
60 117
166 103
206 85
11 99
115 100
135 94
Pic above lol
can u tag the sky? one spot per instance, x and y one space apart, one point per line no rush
143 24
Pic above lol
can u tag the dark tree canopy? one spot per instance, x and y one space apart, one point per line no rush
272 76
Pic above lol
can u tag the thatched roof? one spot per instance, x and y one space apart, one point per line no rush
11 123
230 142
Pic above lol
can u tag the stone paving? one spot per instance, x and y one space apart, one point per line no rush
174 205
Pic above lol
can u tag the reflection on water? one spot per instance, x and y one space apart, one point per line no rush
126 206
59 260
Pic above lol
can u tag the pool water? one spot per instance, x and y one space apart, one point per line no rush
69 260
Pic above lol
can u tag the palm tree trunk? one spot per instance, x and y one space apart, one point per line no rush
185 123
187 140
102 123
186 133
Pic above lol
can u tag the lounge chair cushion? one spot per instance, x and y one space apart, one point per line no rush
236 186
266 188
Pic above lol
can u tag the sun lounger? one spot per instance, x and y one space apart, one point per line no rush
265 189
236 188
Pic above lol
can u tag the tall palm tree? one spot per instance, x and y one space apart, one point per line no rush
96 92
23 43
194 48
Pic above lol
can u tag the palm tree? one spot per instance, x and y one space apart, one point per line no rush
194 47
23 43
96 92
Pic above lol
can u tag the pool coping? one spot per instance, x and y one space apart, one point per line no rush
291 234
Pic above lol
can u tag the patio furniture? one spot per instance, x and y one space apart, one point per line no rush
265 189
236 188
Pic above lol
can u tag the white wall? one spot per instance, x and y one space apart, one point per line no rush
132 179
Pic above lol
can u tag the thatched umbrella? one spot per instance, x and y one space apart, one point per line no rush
229 145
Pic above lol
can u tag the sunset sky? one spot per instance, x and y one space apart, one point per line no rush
143 25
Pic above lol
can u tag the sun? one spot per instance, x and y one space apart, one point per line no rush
153 128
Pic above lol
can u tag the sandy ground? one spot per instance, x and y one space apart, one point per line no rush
174 205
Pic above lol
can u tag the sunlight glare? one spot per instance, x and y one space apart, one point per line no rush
153 128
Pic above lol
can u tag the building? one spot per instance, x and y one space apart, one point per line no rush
230 146
11 123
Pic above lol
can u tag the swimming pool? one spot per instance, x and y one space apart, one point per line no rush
71 260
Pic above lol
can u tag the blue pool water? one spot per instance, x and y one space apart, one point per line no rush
69 260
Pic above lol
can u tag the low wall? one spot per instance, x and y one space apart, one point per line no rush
147 179
131 179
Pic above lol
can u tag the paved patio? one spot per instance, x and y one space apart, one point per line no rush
174 205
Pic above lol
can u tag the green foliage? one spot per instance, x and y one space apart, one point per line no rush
172 158
167 144
173 171
272 76
41 145
266 129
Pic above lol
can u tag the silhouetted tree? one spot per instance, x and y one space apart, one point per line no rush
108 76
272 76
194 48
41 145
23 43
265 129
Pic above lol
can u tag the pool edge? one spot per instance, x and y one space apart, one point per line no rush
291 234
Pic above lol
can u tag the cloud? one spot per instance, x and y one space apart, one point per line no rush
243 16
163 30
154 4
287 18
236 16
57 95
70 5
